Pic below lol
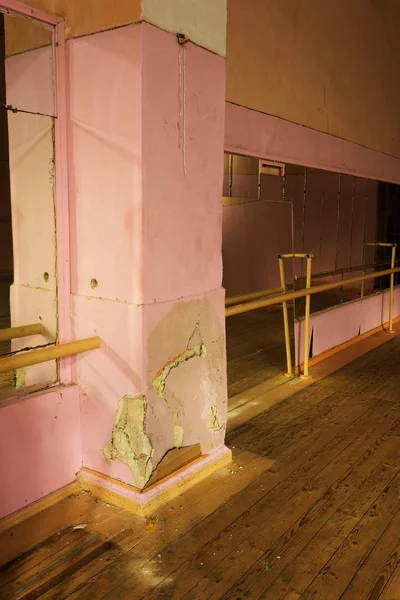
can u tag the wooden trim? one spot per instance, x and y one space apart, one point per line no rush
62 199
38 506
16 7
142 502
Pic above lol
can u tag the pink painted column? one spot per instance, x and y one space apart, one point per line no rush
146 138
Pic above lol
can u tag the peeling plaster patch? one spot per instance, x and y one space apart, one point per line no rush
195 347
178 435
20 375
159 381
214 423
130 442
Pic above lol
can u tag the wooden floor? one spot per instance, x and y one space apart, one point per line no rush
309 509
256 345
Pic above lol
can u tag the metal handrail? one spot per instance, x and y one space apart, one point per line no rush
51 353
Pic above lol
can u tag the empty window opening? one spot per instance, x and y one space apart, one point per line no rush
28 281
271 208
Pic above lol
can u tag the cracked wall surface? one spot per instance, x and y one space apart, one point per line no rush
192 382
185 399
129 441
195 348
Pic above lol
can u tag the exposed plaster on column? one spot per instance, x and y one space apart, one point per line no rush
191 351
214 423
195 347
129 441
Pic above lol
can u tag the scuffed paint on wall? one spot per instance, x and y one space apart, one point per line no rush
130 442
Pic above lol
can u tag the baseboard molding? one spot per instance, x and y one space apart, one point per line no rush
142 502
36 507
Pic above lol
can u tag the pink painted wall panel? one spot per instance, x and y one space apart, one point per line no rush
188 262
346 200
294 192
370 230
245 186
106 163
337 325
257 134
40 446
361 199
31 71
312 229
328 221
108 374
253 234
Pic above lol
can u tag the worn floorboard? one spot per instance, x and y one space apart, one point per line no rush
309 509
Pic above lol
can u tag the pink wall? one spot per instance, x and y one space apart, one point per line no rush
40 446
149 233
255 232
260 135
257 134
339 324
182 213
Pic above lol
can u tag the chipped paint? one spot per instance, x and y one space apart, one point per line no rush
20 375
195 348
160 379
178 435
214 423
130 442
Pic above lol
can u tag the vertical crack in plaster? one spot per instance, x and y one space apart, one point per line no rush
129 441
195 347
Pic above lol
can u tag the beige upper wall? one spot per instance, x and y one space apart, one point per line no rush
89 16
332 65
202 21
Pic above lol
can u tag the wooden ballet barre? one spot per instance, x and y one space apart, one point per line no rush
249 306
12 333
35 357
251 296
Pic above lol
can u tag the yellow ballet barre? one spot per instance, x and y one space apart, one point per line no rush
13 333
381 244
249 306
251 296
35 357
392 262
297 255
